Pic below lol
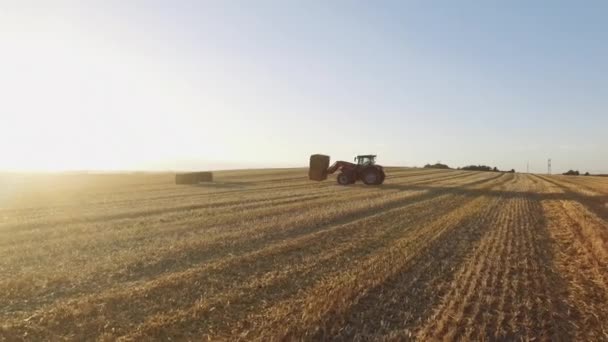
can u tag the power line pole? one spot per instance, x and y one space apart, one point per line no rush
528 167
549 166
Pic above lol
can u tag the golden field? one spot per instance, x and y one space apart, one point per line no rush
269 255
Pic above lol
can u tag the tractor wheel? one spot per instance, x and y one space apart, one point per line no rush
344 179
372 176
382 177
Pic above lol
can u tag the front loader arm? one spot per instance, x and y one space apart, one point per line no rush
338 166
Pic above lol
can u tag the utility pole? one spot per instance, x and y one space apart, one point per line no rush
528 167
549 166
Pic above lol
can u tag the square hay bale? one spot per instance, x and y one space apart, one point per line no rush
193 177
318 167
184 178
205 176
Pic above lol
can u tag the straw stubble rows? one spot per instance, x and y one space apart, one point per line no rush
269 255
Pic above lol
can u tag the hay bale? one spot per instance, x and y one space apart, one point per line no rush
184 178
193 177
318 167
205 176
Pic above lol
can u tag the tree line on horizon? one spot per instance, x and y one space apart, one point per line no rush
493 169
485 168
576 173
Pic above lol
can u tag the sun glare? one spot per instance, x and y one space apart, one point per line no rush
73 103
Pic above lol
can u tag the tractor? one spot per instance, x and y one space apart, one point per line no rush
365 170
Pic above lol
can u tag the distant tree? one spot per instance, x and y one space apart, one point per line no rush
587 174
479 168
436 166
571 173
512 171
495 169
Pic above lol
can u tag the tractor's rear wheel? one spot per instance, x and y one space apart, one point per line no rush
372 176
344 179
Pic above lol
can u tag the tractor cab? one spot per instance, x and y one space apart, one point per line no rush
368 159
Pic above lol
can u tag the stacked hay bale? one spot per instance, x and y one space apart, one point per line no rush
193 177
318 167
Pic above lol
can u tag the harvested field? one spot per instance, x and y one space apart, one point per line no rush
269 255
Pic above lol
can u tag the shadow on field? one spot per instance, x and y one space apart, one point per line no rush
404 302
407 298
596 204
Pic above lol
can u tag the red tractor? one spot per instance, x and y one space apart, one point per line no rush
365 170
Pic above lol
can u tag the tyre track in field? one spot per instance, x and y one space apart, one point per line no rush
198 253
581 255
219 202
508 289
226 219
161 210
313 314
378 236
223 221
122 302
215 210
395 205
598 204
288 229
588 185
426 178
319 294
176 214
216 194
178 255
475 187
400 175
569 186
393 308
140 232
595 183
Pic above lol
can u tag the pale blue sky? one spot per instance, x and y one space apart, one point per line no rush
201 84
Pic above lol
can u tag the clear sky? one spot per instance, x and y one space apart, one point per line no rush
223 84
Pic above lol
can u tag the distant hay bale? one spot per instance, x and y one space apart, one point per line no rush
184 178
318 167
193 177
205 176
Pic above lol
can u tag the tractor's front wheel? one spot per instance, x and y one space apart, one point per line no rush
344 179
